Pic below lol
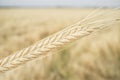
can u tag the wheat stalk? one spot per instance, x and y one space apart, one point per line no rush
42 47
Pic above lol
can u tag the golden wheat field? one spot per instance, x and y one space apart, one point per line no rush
95 57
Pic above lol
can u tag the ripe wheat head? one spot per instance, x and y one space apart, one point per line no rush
53 42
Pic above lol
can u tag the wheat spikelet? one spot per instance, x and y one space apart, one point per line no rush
48 44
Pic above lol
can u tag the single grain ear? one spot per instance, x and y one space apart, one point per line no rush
50 43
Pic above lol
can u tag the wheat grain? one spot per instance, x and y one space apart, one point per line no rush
46 45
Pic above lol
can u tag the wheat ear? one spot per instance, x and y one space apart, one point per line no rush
42 47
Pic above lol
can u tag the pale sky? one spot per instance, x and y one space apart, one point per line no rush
62 3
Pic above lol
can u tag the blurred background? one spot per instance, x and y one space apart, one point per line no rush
95 57
59 3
